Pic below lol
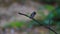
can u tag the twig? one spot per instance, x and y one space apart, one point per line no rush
39 22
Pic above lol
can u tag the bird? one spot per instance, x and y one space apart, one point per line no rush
32 14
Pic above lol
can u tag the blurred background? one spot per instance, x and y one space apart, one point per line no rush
47 13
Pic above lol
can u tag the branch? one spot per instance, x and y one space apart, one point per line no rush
38 22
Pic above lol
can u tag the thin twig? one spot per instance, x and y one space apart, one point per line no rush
39 22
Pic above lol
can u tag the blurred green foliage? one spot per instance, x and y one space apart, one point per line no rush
15 24
44 17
